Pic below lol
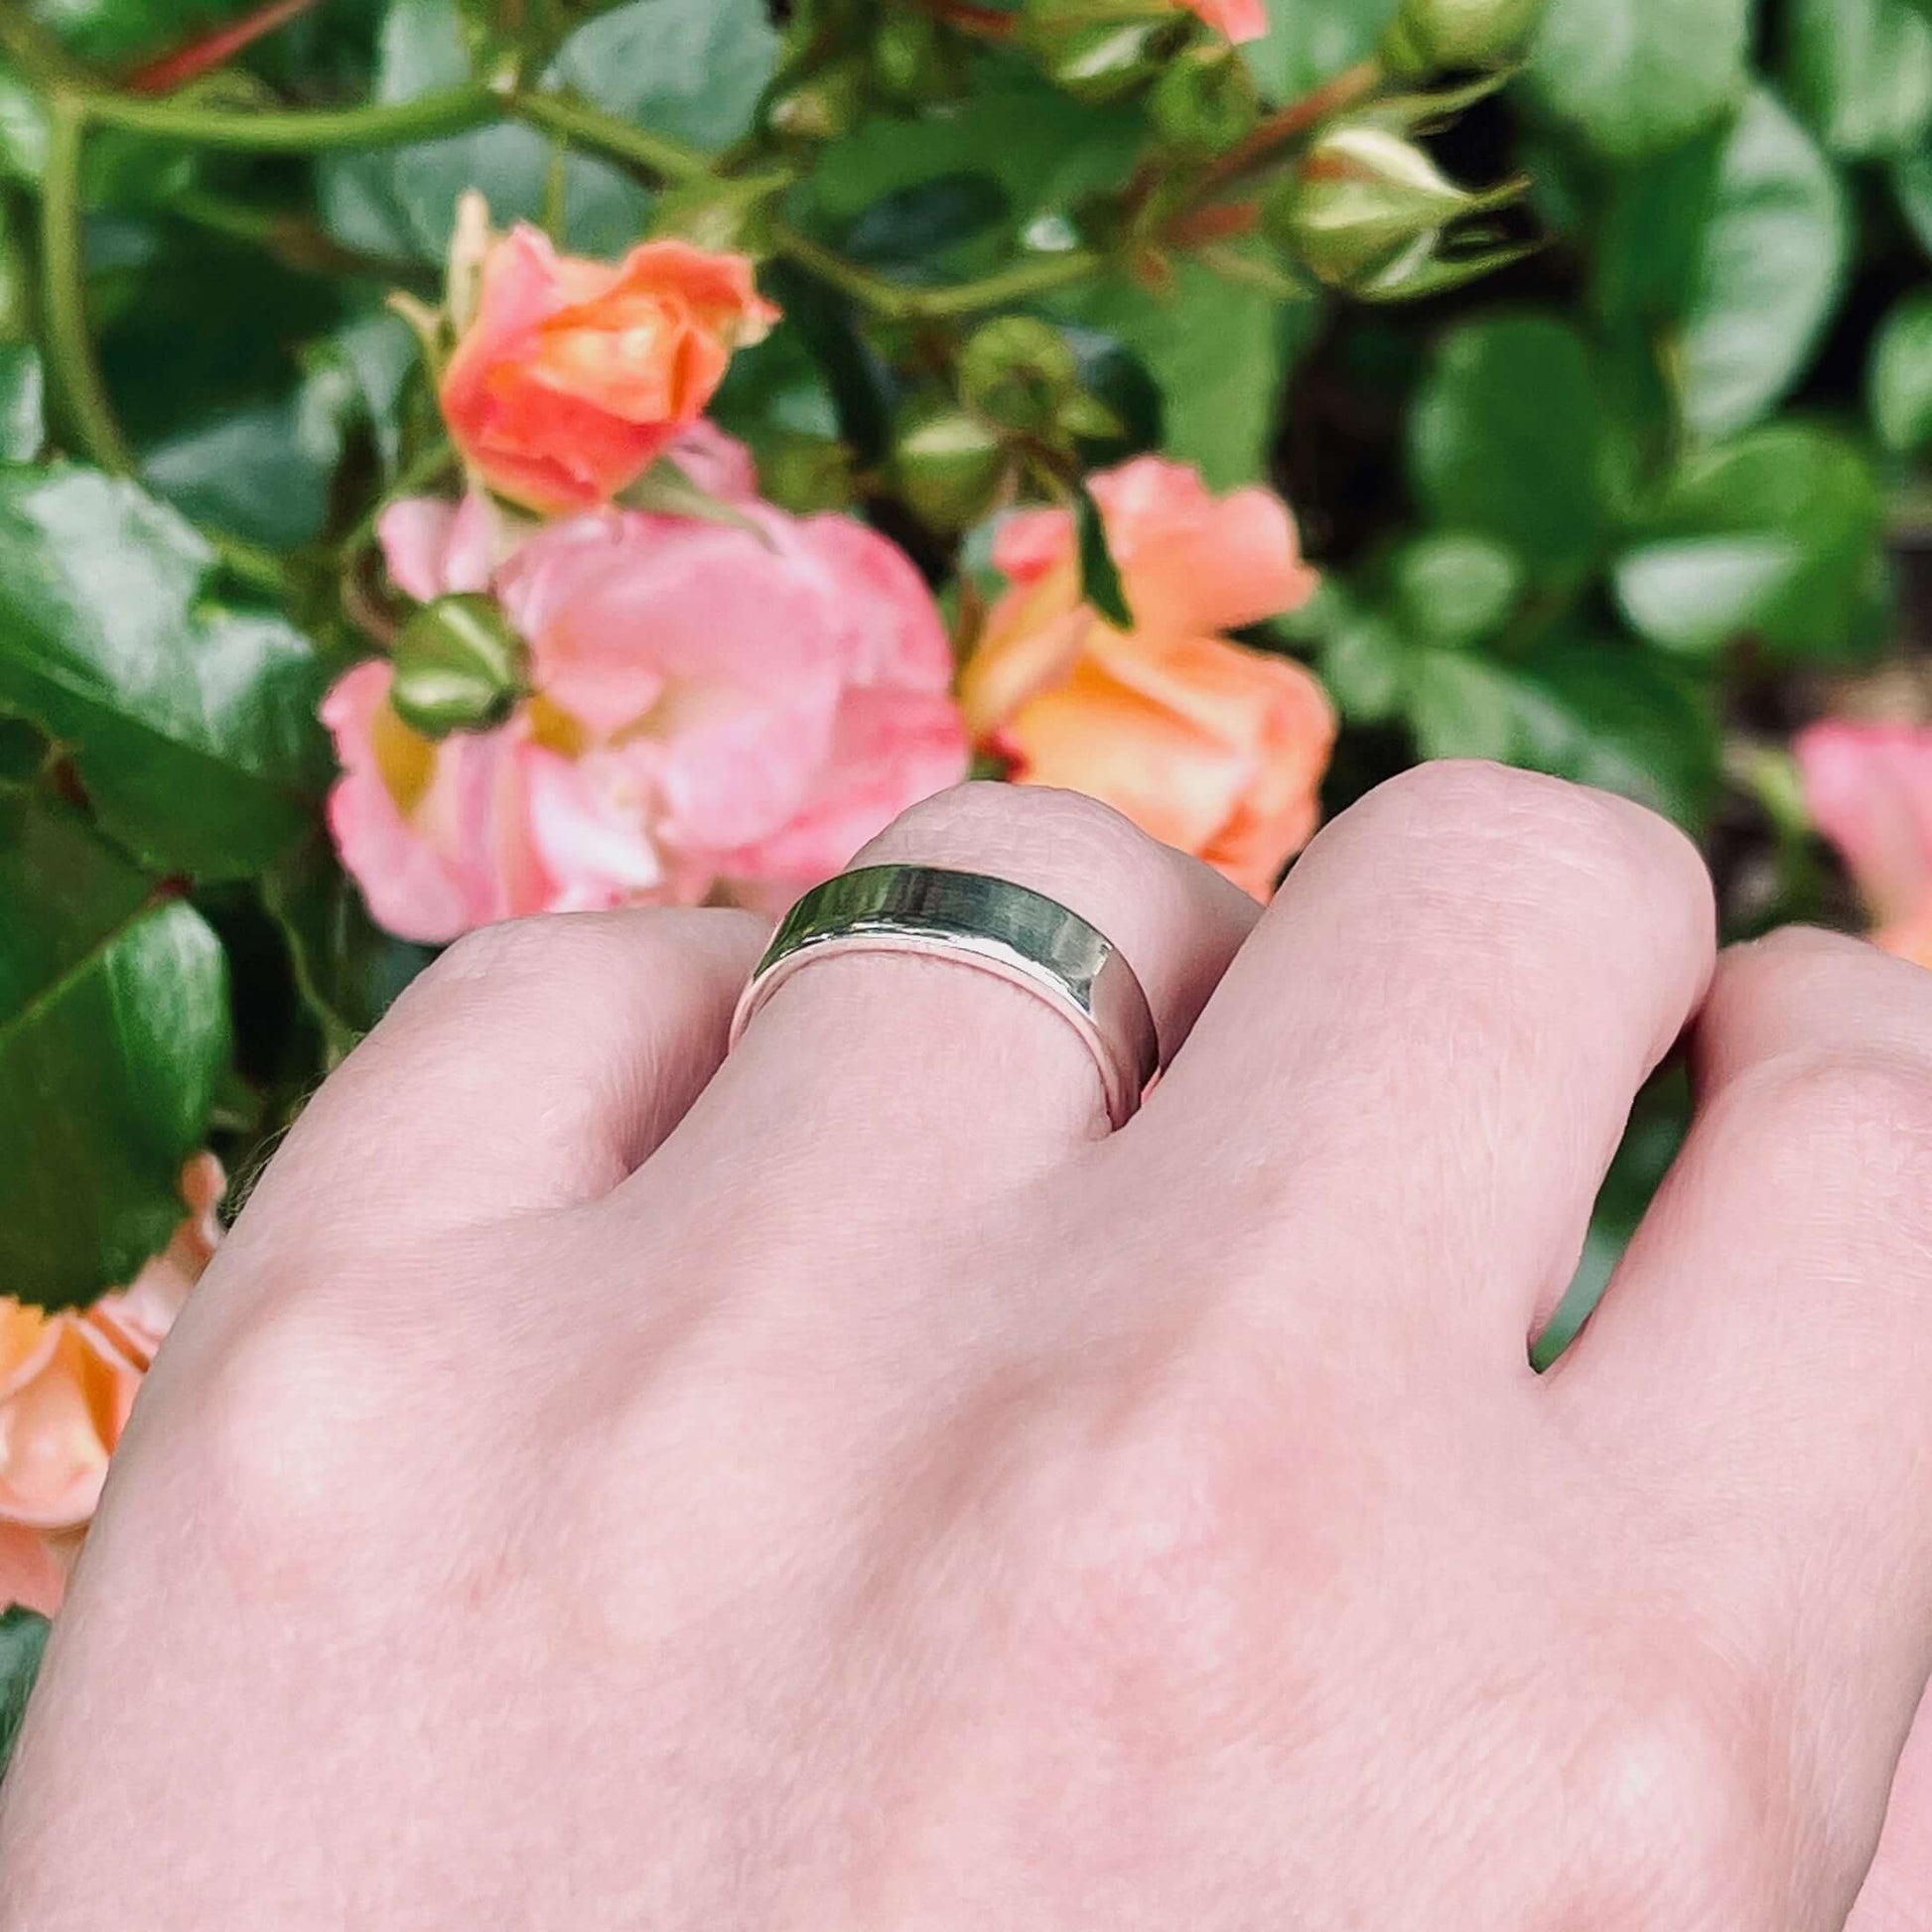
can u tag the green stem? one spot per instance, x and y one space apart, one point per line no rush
299 130
994 291
64 292
249 563
575 120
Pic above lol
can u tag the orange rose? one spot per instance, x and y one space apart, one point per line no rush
1213 747
575 375
68 1383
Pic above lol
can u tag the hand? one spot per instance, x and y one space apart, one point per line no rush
597 1487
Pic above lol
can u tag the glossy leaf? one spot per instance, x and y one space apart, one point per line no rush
1600 714
1774 536
194 727
1900 386
1768 269
111 33
689 69
1220 353
23 1639
905 227
1455 586
1506 440
1911 181
113 1031
1861 73
1636 77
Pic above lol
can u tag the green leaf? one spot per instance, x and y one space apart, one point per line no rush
1912 184
1506 440
1100 581
348 969
1861 73
901 231
1309 41
1651 232
1600 714
194 727
1776 536
1637 76
1900 380
23 423
113 1031
689 69
1455 586
23 1639
1220 353
23 750
1768 271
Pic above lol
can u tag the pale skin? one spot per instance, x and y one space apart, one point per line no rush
598 1486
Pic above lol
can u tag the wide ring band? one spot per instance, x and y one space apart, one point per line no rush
1011 931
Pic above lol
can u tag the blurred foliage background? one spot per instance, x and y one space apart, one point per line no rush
1630 506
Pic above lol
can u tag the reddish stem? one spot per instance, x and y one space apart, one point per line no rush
987 23
1297 118
190 62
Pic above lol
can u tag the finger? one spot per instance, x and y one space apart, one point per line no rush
533 1066
1897 1892
1763 1354
1432 1038
868 1056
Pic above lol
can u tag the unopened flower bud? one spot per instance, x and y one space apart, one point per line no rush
947 464
1362 196
1429 36
1204 99
458 668
1018 370
1097 49
826 104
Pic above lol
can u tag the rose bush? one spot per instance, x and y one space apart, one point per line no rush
460 460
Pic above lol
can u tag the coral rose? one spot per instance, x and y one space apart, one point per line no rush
1869 791
68 1383
715 709
1215 749
575 375
1239 20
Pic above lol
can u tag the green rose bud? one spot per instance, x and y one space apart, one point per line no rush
825 105
1018 370
1363 197
1097 49
1427 36
947 464
1204 99
459 667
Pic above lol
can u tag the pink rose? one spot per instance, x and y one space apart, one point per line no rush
715 711
1869 791
67 1384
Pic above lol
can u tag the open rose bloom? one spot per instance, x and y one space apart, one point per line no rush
575 375
1214 747
67 1384
1869 791
717 710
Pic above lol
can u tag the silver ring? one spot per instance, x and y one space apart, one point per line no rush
1016 934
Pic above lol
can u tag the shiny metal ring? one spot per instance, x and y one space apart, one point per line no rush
1016 934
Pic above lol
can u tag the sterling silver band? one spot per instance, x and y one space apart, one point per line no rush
1016 934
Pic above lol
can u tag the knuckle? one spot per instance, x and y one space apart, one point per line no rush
511 949
985 824
1684 1796
1862 1104
1473 808
1149 1579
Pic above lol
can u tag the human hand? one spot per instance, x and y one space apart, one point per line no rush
597 1487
